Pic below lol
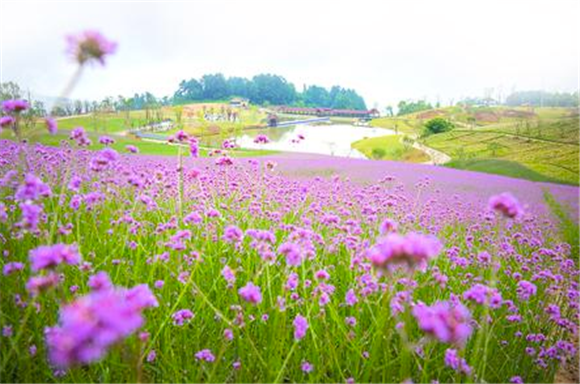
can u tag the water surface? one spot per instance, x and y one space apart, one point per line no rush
326 139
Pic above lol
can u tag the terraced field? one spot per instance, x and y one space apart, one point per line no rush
556 161
540 145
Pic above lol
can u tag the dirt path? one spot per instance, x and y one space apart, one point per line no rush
437 157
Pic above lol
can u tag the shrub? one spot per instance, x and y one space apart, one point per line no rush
438 125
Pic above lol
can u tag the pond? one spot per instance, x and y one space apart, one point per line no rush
326 139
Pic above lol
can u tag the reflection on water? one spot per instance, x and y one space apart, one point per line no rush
332 139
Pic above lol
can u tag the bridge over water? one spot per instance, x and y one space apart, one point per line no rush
281 124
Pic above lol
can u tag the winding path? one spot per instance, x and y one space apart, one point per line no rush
437 157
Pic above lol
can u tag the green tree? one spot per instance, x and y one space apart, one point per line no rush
239 86
438 125
273 89
190 90
315 96
215 87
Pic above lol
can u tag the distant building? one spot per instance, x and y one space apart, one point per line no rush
330 112
239 102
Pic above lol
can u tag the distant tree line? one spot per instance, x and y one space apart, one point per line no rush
146 101
478 101
262 89
520 98
543 99
266 89
406 107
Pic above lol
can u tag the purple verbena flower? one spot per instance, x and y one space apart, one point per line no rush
132 148
50 256
525 290
251 293
506 204
106 140
447 322
292 253
100 282
300 327
15 106
32 189
261 139
388 226
6 121
205 355
482 294
412 250
79 135
182 316
350 298
458 364
194 148
228 274
90 325
89 46
306 367
10 268
38 284
51 125
233 234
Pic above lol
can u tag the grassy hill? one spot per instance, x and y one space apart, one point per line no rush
537 144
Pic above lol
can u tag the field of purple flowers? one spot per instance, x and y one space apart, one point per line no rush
295 268
129 268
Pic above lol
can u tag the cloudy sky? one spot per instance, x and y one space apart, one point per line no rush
386 50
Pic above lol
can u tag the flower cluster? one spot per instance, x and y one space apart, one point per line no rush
482 294
445 321
89 46
90 325
412 250
182 316
261 139
50 256
251 293
506 204
300 327
15 106
80 137
266 257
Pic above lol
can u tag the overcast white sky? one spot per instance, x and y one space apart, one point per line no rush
386 50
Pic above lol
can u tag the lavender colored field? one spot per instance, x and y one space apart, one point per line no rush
292 268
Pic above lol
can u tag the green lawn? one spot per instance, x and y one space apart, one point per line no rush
104 124
145 147
389 148
503 167
111 122
398 124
